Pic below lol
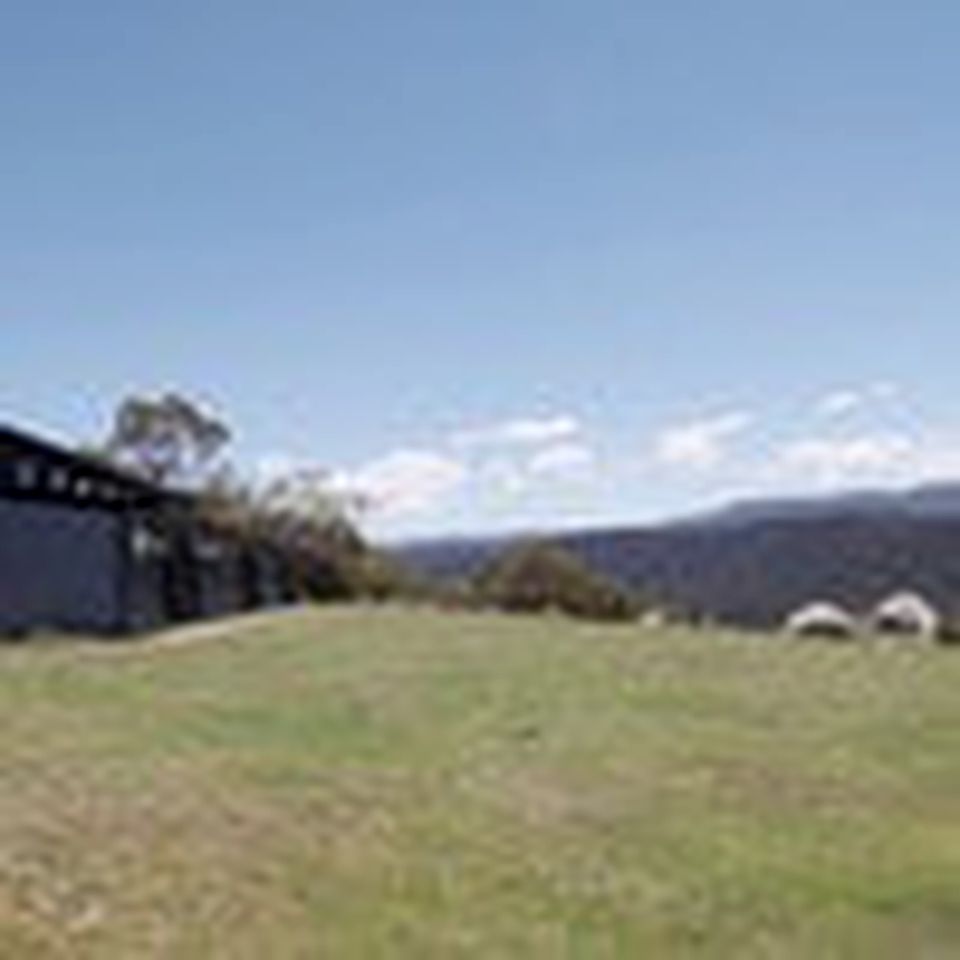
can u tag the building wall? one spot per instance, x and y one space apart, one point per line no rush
274 586
73 568
59 567
220 586
144 607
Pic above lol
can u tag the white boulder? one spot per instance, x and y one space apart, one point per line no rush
822 619
906 614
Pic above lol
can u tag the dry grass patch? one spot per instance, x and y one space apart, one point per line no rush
397 783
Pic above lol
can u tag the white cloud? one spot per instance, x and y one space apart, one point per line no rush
938 459
839 403
402 482
835 461
521 432
843 402
559 463
503 477
700 444
886 390
563 461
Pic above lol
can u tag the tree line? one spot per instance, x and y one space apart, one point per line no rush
175 442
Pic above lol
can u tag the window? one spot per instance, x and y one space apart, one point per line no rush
209 550
145 543
27 474
59 480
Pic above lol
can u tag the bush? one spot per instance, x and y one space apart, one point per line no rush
376 575
537 577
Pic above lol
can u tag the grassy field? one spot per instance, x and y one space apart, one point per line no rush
379 784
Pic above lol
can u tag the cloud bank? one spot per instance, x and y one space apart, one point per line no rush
547 466
520 432
700 444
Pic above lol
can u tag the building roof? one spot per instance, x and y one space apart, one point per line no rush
70 476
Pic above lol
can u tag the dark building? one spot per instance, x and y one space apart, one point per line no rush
86 547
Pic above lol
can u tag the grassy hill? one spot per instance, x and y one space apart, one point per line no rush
401 784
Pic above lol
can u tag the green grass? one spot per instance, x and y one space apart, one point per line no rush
380 784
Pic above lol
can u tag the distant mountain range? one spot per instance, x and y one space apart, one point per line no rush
755 561
939 501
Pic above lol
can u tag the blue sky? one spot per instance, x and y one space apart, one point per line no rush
500 264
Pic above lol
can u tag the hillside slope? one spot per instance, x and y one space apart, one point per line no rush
754 574
753 563
385 783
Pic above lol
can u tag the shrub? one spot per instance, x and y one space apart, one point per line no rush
376 575
536 577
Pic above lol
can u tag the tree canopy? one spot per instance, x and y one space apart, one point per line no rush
168 439
533 577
